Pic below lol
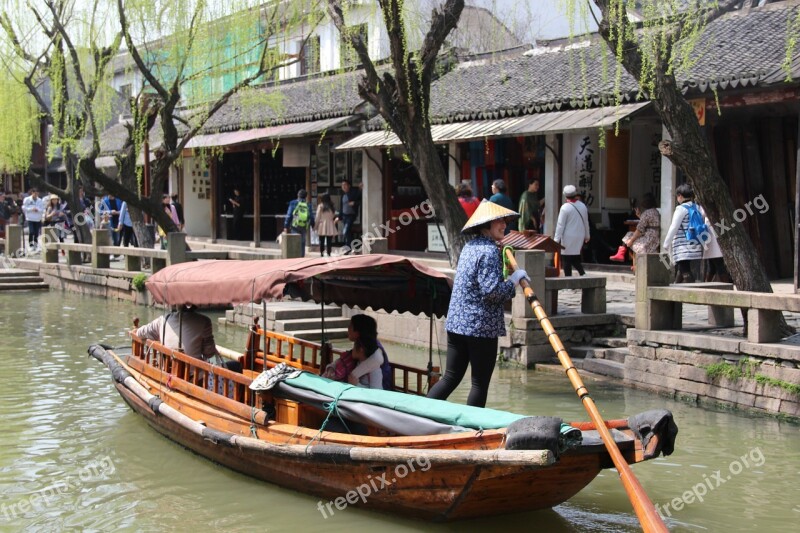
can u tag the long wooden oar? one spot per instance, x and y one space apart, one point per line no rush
642 506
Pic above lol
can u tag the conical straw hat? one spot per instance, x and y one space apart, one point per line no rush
486 212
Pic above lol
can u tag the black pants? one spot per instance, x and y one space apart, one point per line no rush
34 230
569 261
128 236
325 243
462 350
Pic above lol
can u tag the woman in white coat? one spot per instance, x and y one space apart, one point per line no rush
683 251
572 231
712 254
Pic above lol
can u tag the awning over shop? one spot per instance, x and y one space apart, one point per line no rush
284 131
539 123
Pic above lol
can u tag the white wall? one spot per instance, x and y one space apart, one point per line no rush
196 211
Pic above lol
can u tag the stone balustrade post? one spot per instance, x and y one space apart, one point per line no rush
14 236
375 245
49 245
291 246
176 248
532 262
654 270
100 237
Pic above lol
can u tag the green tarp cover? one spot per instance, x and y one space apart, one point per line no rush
438 410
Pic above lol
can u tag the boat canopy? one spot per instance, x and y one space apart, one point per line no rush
380 281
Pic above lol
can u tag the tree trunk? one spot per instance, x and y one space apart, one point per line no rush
440 194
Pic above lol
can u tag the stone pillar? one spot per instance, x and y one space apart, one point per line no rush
532 261
373 245
372 216
14 236
653 271
176 248
290 245
668 186
49 245
100 237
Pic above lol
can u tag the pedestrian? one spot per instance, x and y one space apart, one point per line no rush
468 202
325 225
33 207
499 195
179 210
682 251
54 216
348 212
125 227
715 269
112 205
644 239
169 209
235 202
475 318
530 207
572 231
299 218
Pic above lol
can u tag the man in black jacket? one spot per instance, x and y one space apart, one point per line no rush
351 201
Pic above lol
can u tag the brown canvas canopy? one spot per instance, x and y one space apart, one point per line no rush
388 282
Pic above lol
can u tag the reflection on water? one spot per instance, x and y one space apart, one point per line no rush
72 455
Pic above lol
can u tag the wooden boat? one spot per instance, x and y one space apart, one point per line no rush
413 456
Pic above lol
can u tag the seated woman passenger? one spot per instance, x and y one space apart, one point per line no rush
373 370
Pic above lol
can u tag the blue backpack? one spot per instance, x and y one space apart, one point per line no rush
696 230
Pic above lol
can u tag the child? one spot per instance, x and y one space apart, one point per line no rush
341 368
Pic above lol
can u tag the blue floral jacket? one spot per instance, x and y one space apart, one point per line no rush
479 292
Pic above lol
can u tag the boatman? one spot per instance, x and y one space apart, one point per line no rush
189 328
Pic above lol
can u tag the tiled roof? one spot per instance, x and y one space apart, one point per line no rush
739 50
297 101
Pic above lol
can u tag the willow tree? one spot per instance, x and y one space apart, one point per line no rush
656 52
187 57
401 95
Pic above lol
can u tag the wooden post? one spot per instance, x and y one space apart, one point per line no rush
100 237
653 270
532 261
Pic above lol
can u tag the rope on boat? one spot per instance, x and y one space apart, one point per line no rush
331 407
253 431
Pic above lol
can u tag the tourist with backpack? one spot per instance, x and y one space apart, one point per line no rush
299 218
687 234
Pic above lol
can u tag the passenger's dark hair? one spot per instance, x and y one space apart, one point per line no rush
500 184
648 201
685 190
364 325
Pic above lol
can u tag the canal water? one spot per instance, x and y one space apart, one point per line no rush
73 456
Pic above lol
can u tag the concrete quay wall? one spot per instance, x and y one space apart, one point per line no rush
675 363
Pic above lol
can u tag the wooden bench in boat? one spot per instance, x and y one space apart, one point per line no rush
311 357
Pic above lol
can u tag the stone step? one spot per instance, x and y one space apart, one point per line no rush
13 272
42 286
582 352
289 310
616 354
32 278
610 342
299 324
603 367
316 334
